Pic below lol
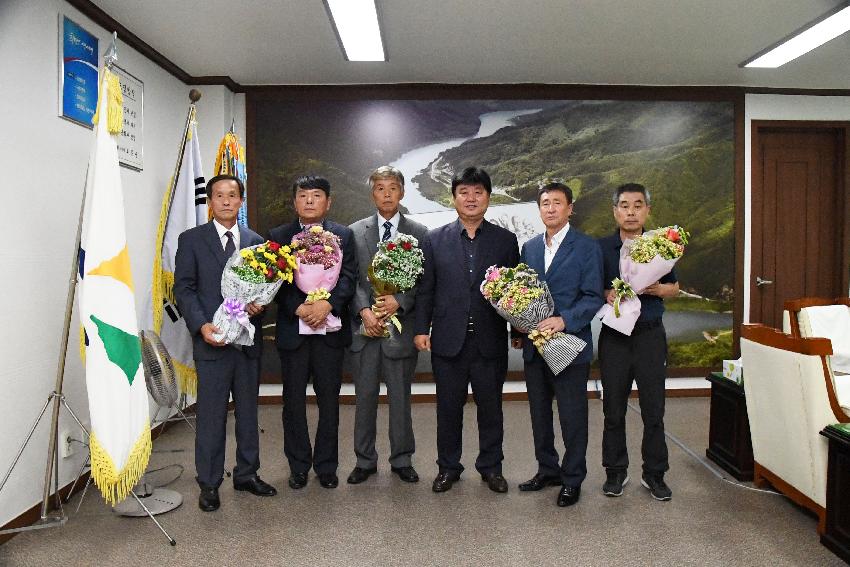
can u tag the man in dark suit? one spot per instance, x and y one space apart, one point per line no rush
374 357
222 369
317 356
571 265
468 340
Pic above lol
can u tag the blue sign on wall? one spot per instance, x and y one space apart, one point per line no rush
79 73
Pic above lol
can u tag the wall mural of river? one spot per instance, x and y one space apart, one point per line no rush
682 151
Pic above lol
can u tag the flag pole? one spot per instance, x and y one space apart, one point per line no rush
109 60
194 97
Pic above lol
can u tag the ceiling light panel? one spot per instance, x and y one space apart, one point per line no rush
356 26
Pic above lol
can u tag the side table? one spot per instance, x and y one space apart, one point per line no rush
837 534
729 442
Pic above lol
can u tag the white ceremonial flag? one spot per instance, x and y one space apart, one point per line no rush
120 437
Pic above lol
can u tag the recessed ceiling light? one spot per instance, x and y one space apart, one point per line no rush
356 25
812 35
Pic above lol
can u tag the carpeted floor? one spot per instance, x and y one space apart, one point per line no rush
387 522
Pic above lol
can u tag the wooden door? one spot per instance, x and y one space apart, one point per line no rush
799 213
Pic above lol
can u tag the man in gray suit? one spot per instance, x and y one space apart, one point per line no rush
374 357
222 369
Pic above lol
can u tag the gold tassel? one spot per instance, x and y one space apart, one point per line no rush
114 103
187 378
116 485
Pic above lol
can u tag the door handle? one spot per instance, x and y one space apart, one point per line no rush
760 282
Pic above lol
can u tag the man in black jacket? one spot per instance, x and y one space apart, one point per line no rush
319 356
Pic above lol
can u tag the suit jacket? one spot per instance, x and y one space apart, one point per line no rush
445 295
366 242
575 279
198 265
290 297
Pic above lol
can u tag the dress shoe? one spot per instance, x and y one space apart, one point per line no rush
407 474
208 500
539 482
256 486
359 474
328 480
495 481
298 480
444 481
568 495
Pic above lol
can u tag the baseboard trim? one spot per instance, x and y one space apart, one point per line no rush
430 398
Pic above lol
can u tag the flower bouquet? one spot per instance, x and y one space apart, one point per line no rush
518 295
643 261
318 258
251 275
395 268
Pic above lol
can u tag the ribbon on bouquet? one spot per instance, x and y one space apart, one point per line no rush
235 311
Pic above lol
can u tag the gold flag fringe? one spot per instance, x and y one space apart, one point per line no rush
116 485
114 103
187 378
158 290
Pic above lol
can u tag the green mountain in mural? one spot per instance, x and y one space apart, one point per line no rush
682 152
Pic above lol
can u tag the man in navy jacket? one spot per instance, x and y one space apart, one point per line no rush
222 369
468 340
571 265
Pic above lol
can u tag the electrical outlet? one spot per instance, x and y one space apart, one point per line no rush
66 446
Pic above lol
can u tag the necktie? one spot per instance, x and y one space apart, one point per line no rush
230 247
387 227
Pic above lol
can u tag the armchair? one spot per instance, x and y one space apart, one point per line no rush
790 399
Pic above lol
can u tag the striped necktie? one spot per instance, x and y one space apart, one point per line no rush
387 228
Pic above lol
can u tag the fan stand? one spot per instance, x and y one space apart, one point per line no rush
149 501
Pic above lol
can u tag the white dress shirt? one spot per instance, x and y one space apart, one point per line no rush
221 230
550 248
393 221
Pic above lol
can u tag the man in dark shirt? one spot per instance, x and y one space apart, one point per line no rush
468 340
640 357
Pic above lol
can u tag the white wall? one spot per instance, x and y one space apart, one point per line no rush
44 159
778 107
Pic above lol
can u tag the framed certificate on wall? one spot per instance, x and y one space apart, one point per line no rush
131 140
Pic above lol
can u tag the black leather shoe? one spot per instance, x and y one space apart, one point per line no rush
256 486
358 475
407 474
444 481
539 482
568 495
496 482
208 500
298 480
328 480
